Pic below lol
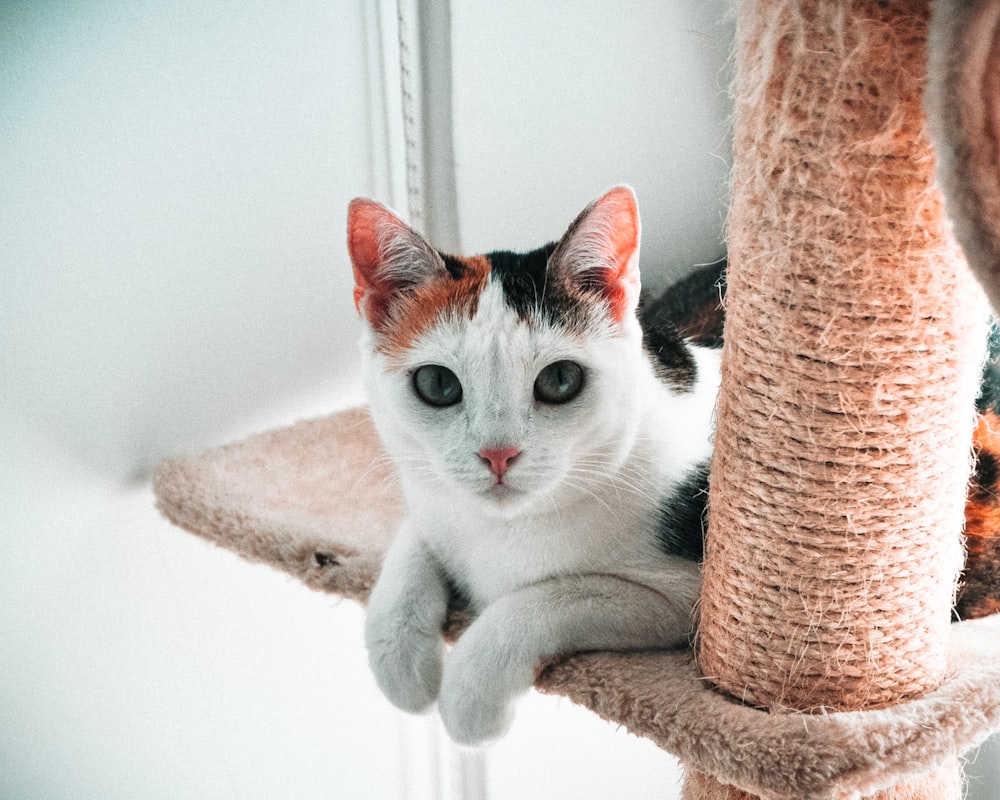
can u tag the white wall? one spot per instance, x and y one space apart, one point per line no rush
175 177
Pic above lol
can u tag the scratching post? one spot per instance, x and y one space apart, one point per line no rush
852 353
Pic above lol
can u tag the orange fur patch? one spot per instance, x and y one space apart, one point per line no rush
979 595
419 310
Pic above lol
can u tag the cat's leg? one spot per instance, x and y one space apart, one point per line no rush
496 658
406 611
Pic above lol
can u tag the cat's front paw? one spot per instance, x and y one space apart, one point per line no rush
406 661
473 714
481 682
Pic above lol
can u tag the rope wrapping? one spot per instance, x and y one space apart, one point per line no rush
853 346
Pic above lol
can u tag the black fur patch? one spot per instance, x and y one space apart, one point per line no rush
531 290
671 356
454 266
693 306
984 484
688 311
682 516
522 277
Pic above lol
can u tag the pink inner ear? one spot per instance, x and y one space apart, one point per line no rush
367 223
622 216
363 245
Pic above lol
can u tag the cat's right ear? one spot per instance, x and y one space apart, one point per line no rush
388 258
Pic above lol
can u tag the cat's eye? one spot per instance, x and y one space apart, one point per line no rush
559 382
437 385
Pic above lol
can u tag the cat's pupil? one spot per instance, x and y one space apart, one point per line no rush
437 385
559 382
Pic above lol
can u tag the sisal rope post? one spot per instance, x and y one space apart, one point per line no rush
853 345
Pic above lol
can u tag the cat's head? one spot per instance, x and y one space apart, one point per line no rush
505 378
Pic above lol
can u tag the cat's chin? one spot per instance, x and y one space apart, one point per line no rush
503 500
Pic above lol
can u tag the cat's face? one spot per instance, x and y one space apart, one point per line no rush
504 380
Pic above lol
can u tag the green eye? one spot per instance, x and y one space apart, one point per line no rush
559 382
437 385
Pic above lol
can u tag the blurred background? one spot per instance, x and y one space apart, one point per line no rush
174 178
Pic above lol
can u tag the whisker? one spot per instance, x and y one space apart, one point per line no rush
594 495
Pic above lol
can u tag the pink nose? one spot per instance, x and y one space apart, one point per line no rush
499 459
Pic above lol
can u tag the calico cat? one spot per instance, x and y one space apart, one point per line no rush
552 451
553 437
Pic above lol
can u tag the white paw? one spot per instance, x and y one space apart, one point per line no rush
478 691
406 662
472 713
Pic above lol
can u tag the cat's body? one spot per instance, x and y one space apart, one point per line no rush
544 441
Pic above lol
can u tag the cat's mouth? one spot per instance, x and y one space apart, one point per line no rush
501 491
504 498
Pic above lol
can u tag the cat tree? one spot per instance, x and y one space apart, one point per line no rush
826 665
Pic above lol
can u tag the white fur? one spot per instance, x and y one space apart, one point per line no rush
563 557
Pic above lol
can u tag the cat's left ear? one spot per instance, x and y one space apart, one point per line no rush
599 254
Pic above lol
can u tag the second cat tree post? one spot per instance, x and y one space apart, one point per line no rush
853 346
